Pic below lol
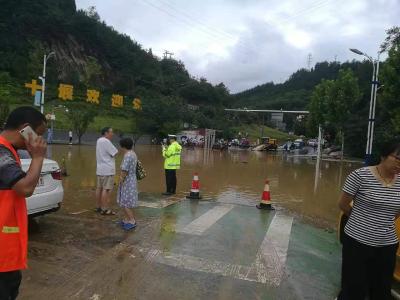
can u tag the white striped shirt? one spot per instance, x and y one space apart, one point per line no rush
374 208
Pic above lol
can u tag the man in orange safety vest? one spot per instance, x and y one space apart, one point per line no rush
15 185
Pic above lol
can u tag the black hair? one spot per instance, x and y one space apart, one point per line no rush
23 115
105 130
389 148
126 143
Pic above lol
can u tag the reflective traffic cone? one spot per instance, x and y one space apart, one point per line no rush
266 198
195 190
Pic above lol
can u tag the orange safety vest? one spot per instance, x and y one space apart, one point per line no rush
13 226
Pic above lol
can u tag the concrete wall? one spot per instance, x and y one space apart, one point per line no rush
61 136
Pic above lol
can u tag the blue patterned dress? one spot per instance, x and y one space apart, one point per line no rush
127 191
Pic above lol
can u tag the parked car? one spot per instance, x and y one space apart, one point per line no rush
312 142
299 143
49 192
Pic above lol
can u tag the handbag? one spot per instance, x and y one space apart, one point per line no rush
140 171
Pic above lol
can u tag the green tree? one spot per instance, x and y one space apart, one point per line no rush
392 39
344 94
332 103
161 116
391 90
81 116
318 106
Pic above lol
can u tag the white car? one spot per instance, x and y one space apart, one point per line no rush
49 192
312 142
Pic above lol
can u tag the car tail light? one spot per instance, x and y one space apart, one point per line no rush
56 175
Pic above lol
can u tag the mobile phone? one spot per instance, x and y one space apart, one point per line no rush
26 131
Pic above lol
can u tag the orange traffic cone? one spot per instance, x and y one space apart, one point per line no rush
195 190
266 198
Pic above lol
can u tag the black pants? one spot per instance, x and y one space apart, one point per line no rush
170 179
9 285
366 270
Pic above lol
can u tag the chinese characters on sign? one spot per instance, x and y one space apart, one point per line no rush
33 86
65 91
137 104
93 96
117 100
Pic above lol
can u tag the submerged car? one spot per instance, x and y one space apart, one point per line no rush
49 192
312 142
299 143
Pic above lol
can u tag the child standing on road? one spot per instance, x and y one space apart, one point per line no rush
127 196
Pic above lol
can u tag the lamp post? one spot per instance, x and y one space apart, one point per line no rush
43 79
372 104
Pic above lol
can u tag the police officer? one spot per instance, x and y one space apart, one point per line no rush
172 155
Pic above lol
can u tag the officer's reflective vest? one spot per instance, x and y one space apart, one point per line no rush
172 156
13 225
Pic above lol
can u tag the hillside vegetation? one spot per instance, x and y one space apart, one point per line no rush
92 55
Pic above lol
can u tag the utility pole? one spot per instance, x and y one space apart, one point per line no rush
309 61
167 53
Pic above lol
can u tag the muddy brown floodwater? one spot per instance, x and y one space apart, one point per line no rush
297 183
219 248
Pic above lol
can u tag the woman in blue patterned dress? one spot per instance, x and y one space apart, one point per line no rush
127 196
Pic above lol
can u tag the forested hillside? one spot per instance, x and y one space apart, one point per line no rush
89 54
92 55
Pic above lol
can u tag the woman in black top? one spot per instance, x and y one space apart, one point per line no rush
370 241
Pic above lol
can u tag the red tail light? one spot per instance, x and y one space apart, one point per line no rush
56 175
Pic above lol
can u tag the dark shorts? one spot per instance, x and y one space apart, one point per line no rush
9 285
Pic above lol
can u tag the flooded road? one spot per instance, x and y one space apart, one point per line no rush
221 247
296 183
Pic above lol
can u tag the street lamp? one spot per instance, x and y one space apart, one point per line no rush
372 104
43 78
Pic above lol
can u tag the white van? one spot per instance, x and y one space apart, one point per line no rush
49 192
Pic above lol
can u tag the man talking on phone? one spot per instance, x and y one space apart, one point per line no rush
15 185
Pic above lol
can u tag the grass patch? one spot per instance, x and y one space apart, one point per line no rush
118 123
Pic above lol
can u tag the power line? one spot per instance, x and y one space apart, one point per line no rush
210 34
317 5
183 20
191 18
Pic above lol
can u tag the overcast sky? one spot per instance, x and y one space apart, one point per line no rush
244 43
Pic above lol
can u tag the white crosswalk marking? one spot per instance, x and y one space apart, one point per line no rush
267 268
205 221
271 257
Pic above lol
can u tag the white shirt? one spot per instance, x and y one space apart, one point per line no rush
70 134
105 157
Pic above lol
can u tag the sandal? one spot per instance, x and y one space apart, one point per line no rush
107 212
